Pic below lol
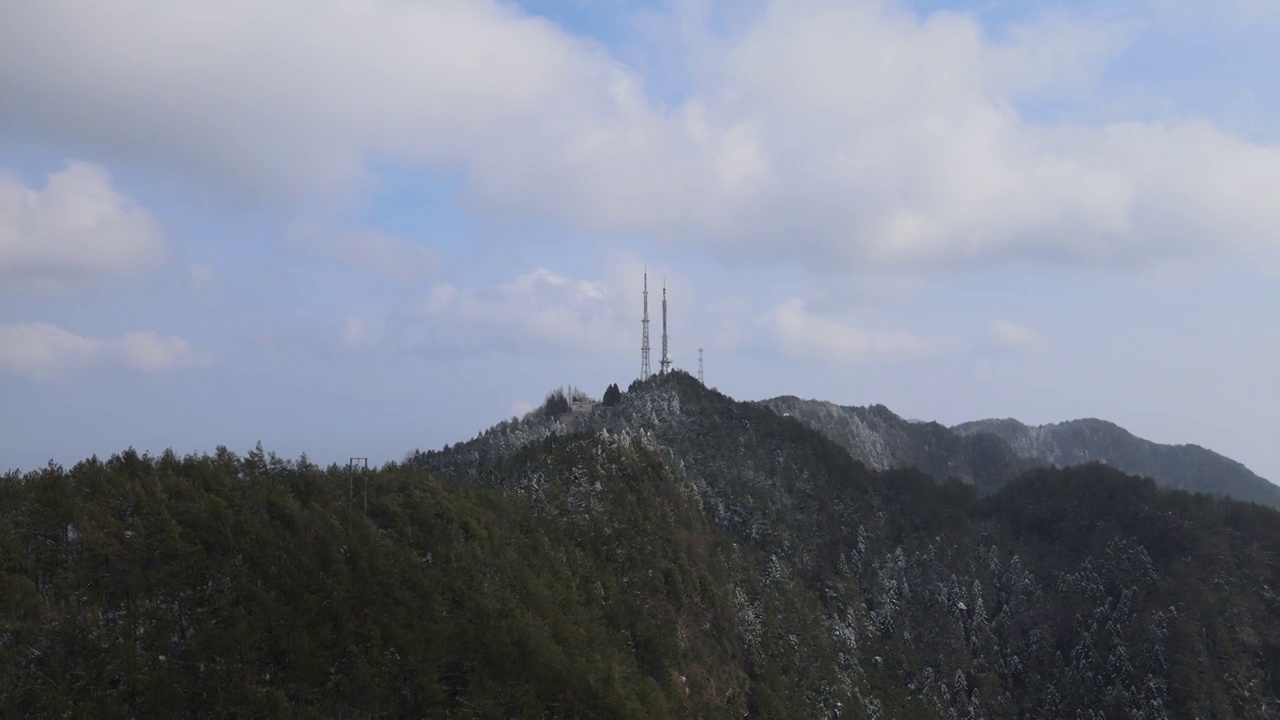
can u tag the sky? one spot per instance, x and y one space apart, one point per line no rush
353 229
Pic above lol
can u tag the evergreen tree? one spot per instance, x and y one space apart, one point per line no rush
556 404
612 396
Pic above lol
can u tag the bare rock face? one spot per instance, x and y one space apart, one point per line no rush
883 440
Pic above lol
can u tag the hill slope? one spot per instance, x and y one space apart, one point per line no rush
1082 590
683 555
245 587
1187 467
883 440
989 453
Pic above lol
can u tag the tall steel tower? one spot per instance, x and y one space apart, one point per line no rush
644 339
701 379
666 359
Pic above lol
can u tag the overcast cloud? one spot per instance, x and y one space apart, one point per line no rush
820 132
440 208
73 228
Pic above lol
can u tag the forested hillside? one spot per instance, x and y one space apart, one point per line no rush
245 587
883 440
1187 467
683 555
989 453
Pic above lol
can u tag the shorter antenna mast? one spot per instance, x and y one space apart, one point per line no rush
665 362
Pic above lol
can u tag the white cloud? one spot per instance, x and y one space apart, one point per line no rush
76 227
374 250
818 131
1009 335
800 334
540 309
151 352
44 351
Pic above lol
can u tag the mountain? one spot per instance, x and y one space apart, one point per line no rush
870 592
676 554
226 586
989 453
883 440
1187 467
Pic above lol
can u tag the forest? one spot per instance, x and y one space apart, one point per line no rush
682 555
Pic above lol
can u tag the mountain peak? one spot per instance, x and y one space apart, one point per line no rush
991 452
1074 442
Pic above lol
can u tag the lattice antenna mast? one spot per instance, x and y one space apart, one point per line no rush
644 338
666 359
701 379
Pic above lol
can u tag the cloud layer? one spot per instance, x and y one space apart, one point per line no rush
828 133
802 335
1013 336
44 351
538 310
373 250
77 227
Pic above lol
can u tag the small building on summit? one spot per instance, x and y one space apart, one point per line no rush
579 409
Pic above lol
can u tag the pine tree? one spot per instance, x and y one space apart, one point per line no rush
612 396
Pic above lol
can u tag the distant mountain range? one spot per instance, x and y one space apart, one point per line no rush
883 440
989 453
1186 467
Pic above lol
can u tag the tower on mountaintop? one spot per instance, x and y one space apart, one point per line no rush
666 359
644 338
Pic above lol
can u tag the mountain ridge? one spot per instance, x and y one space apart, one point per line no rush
1182 466
677 554
991 452
883 440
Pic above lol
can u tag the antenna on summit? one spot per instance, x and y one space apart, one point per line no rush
701 379
666 359
644 339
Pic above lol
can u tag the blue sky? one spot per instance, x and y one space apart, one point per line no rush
359 229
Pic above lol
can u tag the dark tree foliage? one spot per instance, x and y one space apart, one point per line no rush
244 587
1068 593
679 555
989 453
556 404
612 396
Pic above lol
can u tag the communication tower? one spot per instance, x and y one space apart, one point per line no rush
701 379
666 359
644 339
